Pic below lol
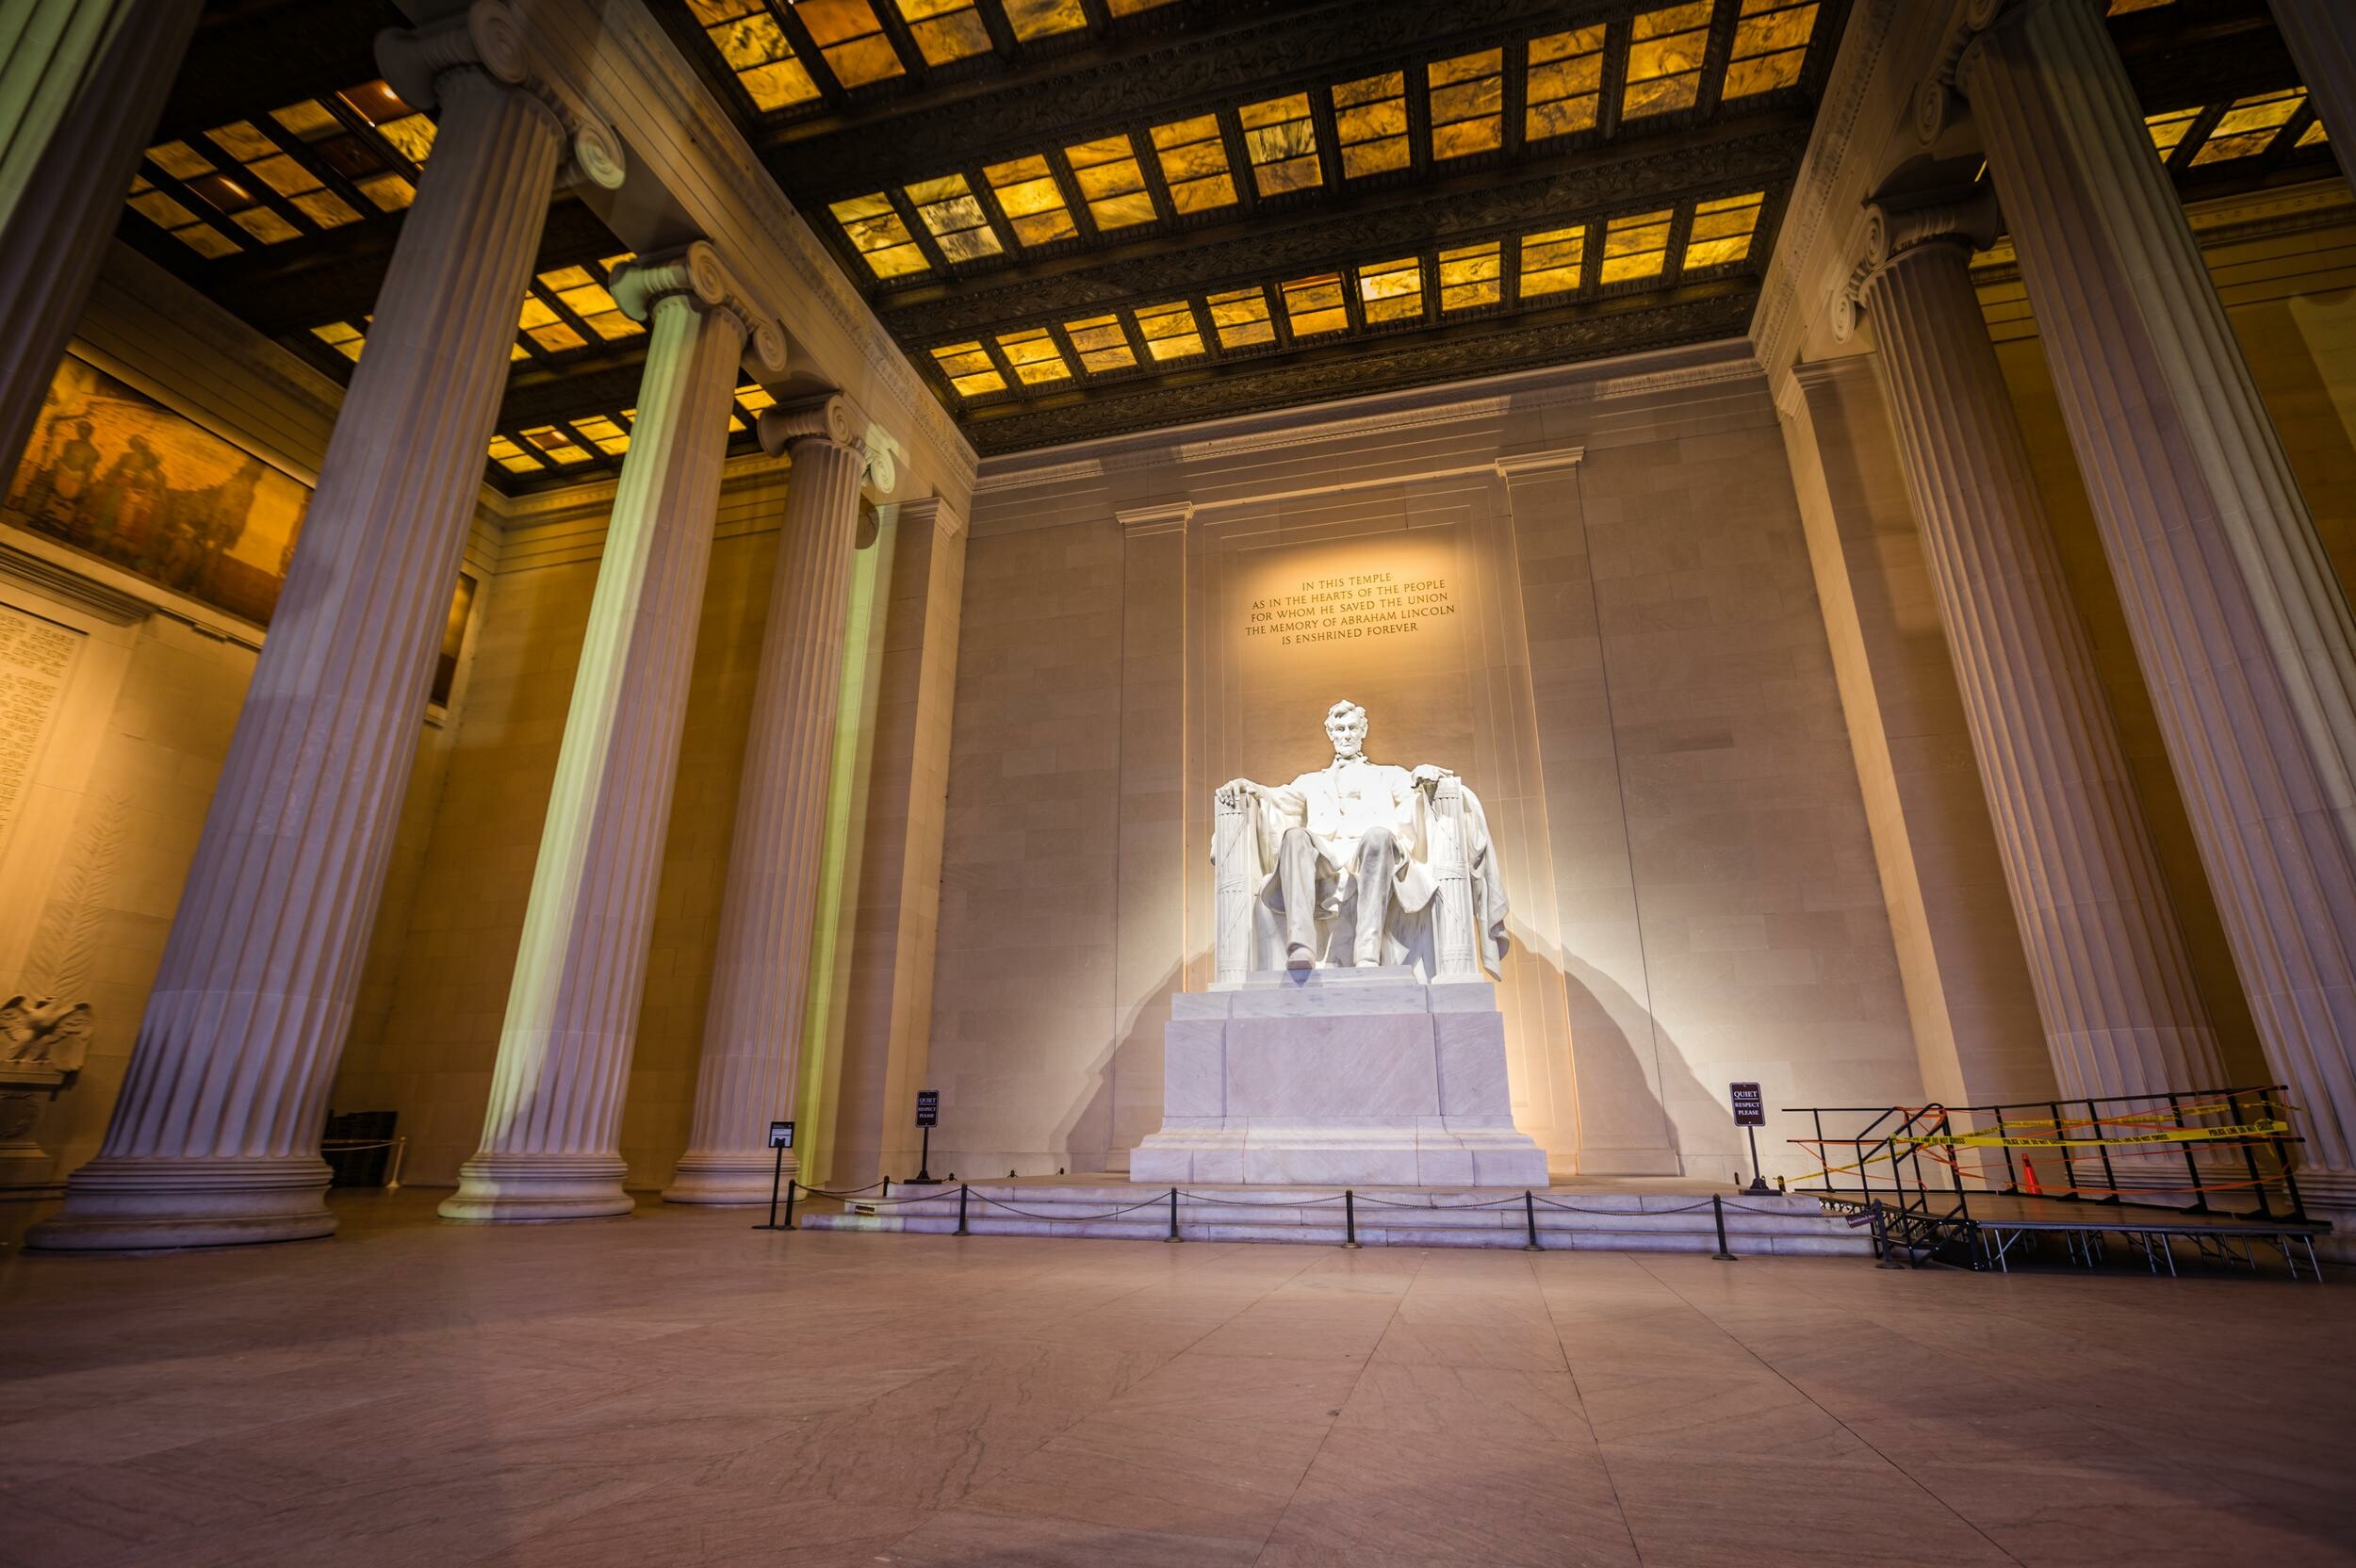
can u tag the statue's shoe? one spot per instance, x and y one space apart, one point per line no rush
1297 956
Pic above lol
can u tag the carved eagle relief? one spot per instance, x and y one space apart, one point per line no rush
44 1033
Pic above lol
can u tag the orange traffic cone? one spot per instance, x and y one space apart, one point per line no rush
2028 1178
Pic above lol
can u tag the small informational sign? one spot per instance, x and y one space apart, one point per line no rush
1750 1107
928 1107
780 1134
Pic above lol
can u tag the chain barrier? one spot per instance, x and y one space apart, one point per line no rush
822 1192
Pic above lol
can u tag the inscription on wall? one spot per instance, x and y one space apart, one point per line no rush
1349 607
35 656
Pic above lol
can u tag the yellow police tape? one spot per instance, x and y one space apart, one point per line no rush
2172 1134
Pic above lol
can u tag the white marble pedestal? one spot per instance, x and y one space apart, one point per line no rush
1353 1077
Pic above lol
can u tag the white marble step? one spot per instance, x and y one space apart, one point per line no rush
1568 1220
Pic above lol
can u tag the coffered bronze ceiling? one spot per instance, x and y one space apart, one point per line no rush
1085 217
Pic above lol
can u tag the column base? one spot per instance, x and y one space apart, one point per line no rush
521 1188
140 1204
727 1177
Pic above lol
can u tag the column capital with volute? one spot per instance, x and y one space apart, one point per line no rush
698 274
836 421
1894 226
488 37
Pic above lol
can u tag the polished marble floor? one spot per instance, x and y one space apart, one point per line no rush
679 1389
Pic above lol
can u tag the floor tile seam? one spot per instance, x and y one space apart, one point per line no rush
1912 1480
1603 1458
1423 1256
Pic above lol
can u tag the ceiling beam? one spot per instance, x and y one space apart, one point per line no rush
249 60
337 279
1251 53
1403 219
1351 367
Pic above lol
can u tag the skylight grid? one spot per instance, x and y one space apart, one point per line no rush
1635 246
875 229
1770 46
2168 130
1034 356
1370 125
1193 156
1564 83
1313 306
946 31
1169 330
1551 268
954 217
1240 317
1665 61
1033 202
970 370
1391 290
849 40
1471 276
1282 142
1110 182
2250 126
1552 261
756 52
1037 19
1100 343
1468 97
1722 231
306 168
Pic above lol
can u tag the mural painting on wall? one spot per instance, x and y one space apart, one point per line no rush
111 471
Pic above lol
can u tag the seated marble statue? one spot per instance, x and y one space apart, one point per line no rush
1358 863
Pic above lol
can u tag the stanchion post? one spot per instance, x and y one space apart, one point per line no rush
962 1191
1173 1218
791 1184
1529 1218
886 1186
1350 1217
1718 1217
776 1176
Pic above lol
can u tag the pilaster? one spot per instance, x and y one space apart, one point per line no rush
888 1021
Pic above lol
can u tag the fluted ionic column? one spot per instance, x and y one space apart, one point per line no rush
81 82
2322 37
761 973
2113 986
551 1132
2242 631
215 1138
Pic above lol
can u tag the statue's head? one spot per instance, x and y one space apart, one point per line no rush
1346 726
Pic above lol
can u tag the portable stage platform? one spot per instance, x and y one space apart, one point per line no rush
2207 1169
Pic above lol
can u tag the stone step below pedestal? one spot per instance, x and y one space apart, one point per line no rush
1568 1218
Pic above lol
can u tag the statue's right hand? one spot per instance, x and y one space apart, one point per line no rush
1237 792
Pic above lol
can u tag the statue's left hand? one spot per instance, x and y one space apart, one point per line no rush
1432 773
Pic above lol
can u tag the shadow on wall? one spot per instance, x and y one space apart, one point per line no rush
1089 1137
1631 1084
